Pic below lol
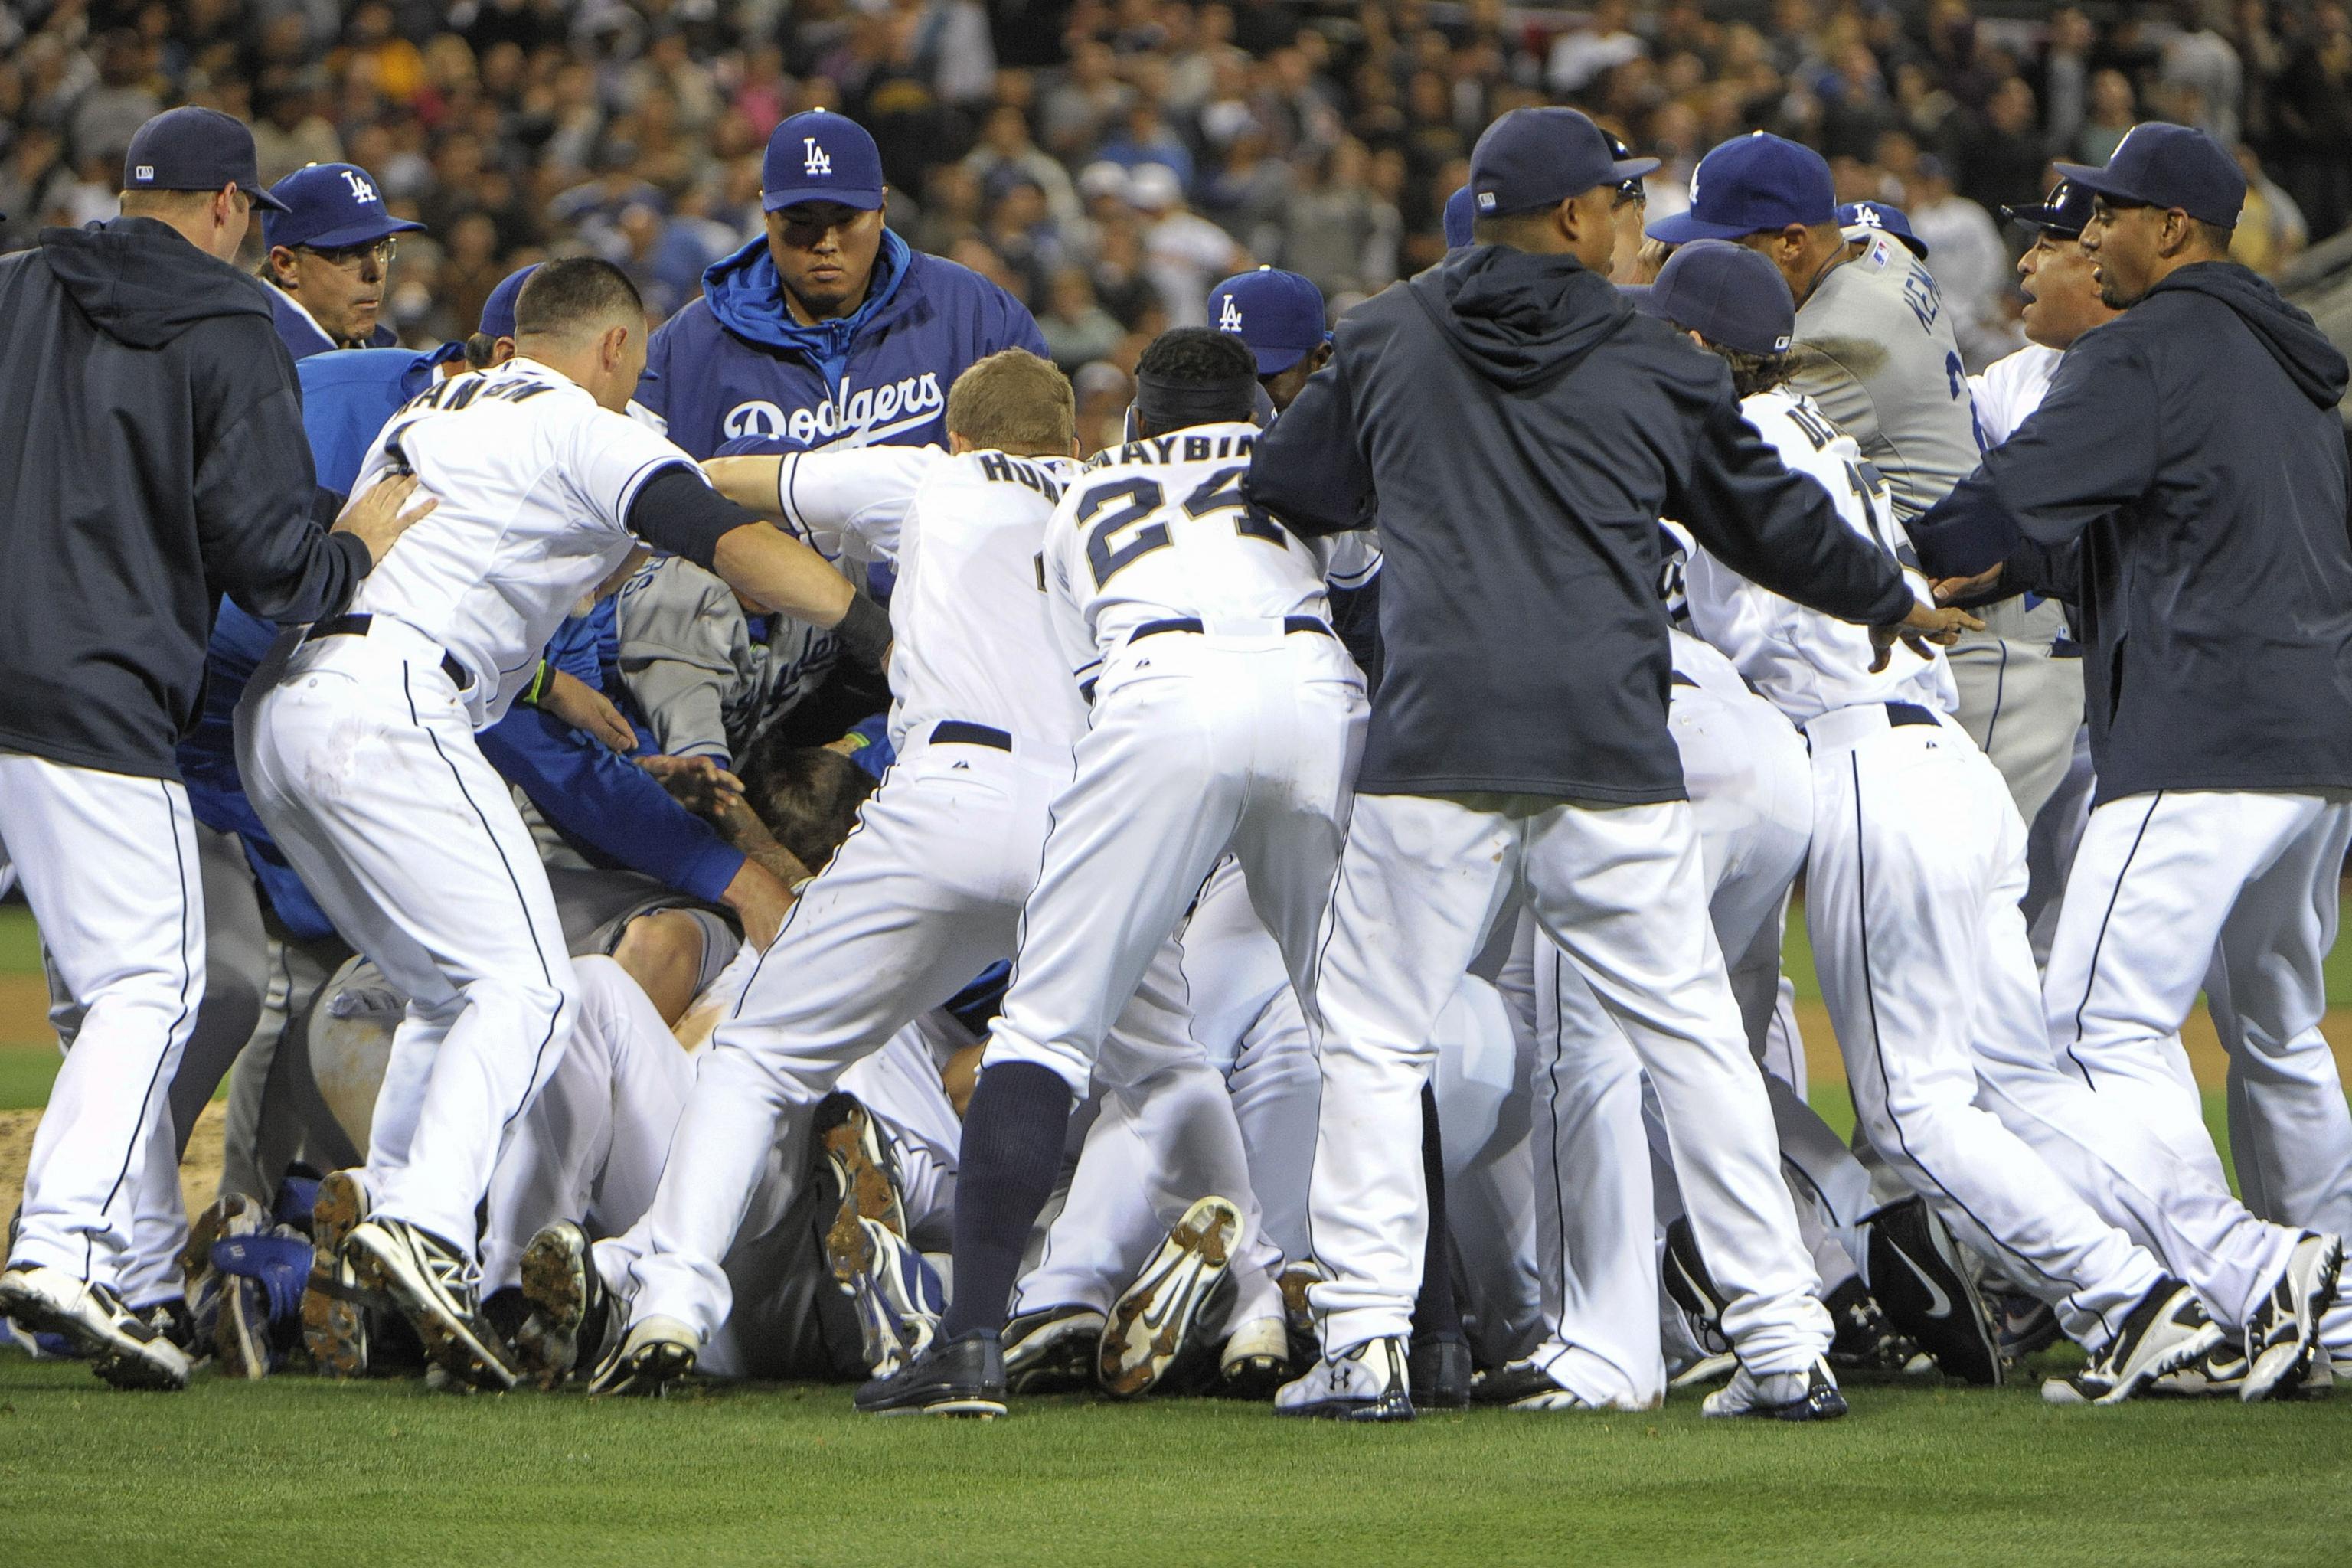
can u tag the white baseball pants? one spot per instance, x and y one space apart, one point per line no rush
108 866
2019 702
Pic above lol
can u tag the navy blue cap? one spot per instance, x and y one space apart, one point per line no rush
1278 314
1879 215
1751 183
1536 158
497 310
2161 165
1458 219
821 156
1631 185
330 205
2062 212
194 149
1726 293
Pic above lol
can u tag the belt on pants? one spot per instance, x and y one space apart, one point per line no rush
1850 726
957 732
1291 625
357 627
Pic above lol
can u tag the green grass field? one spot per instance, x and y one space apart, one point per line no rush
303 1472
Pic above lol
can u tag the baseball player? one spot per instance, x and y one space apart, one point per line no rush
1226 715
1876 351
328 265
2183 486
360 753
118 553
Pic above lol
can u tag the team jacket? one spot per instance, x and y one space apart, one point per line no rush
1519 430
734 364
300 333
151 460
2183 487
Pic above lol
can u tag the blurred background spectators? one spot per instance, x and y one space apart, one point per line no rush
1108 161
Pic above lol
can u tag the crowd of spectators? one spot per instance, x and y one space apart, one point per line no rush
1108 159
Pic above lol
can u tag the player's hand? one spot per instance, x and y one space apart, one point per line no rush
583 707
1925 624
377 518
1953 590
760 900
697 783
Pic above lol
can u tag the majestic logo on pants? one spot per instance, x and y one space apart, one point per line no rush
818 163
847 418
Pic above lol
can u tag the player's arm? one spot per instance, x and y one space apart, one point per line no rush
680 635
1309 469
865 492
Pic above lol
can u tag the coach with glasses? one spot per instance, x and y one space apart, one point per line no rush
329 259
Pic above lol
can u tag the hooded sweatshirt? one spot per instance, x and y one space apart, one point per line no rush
734 365
151 460
1519 431
2183 486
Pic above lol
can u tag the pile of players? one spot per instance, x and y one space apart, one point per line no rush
1317 930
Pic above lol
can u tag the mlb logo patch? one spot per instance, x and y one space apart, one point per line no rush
1486 201
1780 344
144 172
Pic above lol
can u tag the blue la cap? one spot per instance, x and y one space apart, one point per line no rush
2062 212
194 149
1534 158
1879 215
1458 219
497 310
1726 293
2161 165
329 205
1751 183
1278 314
820 156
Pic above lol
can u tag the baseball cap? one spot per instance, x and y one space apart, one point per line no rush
1458 219
328 206
1726 293
1888 219
1153 187
1278 314
194 149
821 156
2161 165
1751 183
1631 185
1534 158
2062 212
497 310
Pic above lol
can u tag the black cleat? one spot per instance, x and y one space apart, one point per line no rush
1688 1280
1438 1372
963 1376
1052 1350
1865 1342
1918 1280
2164 1333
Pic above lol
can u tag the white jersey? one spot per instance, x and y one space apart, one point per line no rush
534 481
1157 530
1803 662
969 616
2011 388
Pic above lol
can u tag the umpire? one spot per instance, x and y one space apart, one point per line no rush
2183 487
1520 430
152 457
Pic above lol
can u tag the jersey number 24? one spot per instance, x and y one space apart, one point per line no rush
1109 553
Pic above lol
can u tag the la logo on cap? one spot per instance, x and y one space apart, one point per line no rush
361 190
1229 320
818 163
1868 218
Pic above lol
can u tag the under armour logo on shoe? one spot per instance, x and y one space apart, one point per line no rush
1229 320
361 190
818 163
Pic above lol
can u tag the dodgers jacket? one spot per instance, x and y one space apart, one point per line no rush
151 460
1521 431
2183 487
734 364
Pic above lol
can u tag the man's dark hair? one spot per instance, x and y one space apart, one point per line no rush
561 297
1191 375
807 795
1751 372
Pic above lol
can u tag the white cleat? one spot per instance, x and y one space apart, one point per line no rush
1363 1382
656 1352
126 1351
1808 1395
1148 1323
2283 1332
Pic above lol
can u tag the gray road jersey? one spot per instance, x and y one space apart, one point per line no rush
1875 349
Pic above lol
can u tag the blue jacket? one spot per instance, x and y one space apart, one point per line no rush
304 337
734 364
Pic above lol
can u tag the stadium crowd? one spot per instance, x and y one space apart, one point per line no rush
1108 160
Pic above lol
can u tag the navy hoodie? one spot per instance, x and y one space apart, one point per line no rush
2183 487
1519 430
734 365
151 460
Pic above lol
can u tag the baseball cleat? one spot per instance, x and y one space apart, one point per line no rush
898 1294
571 1318
1363 1382
1438 1371
431 1284
2219 1374
1524 1386
2023 1324
262 1279
125 1349
963 1376
1808 1395
231 1214
2283 1332
2166 1330
1865 1342
335 1308
1256 1360
1052 1350
1704 1370
1918 1280
1149 1321
656 1352
862 1172
1689 1284
1295 1281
